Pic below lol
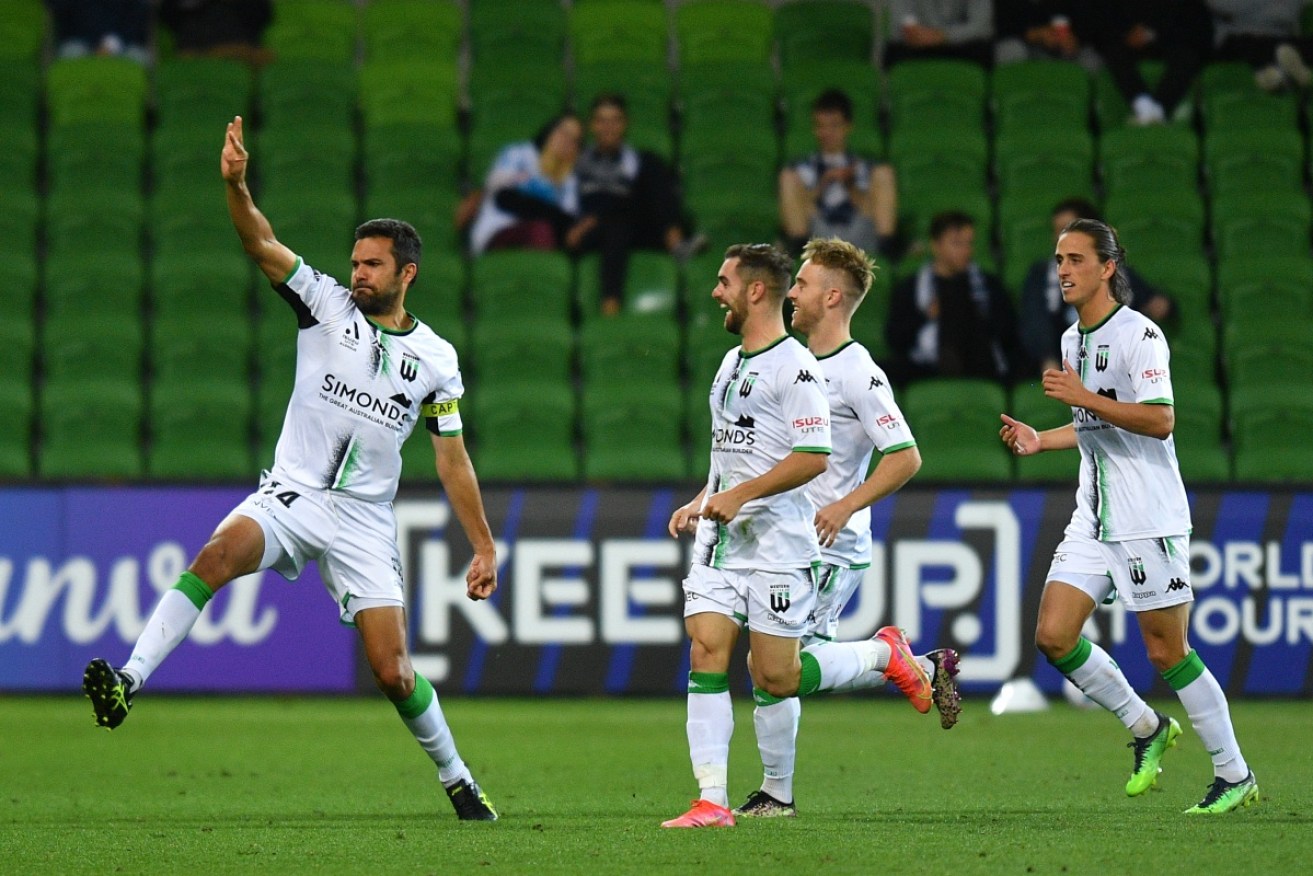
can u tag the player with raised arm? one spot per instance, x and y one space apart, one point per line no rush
1130 532
366 372
831 284
756 553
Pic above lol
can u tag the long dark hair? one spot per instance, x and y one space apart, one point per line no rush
1109 249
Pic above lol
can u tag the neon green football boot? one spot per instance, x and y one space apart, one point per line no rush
1149 753
1224 796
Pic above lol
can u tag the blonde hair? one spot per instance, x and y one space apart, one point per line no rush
840 255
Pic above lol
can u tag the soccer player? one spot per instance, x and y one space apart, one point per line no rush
366 371
1130 530
831 284
756 551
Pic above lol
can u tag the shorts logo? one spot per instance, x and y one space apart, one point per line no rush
1177 584
779 598
1137 570
1101 358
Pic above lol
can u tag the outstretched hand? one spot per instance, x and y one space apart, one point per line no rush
232 161
1021 439
481 579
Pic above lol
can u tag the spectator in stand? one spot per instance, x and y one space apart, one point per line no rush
1125 32
1045 315
950 318
1266 35
530 198
1029 30
101 27
219 28
629 199
962 29
835 193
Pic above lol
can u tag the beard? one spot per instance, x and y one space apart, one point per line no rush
733 322
374 302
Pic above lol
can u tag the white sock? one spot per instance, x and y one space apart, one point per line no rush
710 726
1091 669
777 736
868 680
835 665
1205 703
168 625
423 715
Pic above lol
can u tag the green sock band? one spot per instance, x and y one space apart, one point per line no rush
708 682
1076 659
761 698
194 589
419 700
810 682
1185 672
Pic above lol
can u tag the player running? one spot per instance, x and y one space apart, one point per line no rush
1130 532
366 372
831 284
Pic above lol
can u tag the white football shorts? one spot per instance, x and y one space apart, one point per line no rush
771 602
835 585
1145 573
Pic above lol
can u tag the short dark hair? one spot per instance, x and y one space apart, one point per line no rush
612 99
834 100
540 138
1109 249
1084 208
764 262
406 244
950 220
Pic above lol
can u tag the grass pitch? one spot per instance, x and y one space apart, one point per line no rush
300 785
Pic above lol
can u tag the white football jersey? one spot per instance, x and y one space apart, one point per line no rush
764 406
863 417
359 390
1130 486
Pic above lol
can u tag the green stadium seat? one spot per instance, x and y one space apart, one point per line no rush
868 321
724 30
1264 288
947 97
75 446
1197 434
1252 110
76 346
15 427
956 425
20 92
1271 223
186 158
318 30
1185 277
511 106
102 283
1025 163
404 157
1269 431
196 349
18 159
536 32
651 285
801 83
1150 158
842 30
18 337
1030 97
204 92
648 90
19 221
291 160
716 97
511 350
25 32
1238 161
200 430
516 283
307 92
618 30
714 181
431 29
1031 406
1158 222
524 432
1110 108
743 217
184 224
216 286
93 222
428 205
438 294
317 224
100 155
633 431
408 91
95 89
418 460
1260 354
629 349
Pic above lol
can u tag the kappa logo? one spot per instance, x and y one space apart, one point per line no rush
1177 584
875 383
804 376
1137 570
1101 358
409 368
1149 335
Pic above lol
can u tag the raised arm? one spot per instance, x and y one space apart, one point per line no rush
257 235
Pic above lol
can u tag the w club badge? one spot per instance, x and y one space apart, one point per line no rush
1101 358
779 598
1137 570
409 367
